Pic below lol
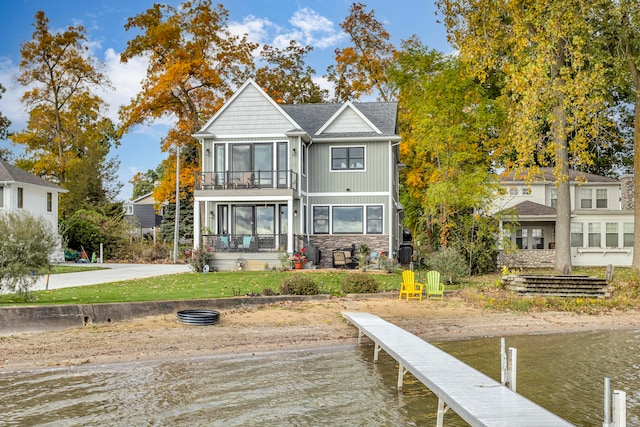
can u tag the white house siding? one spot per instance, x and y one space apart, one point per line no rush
590 255
34 201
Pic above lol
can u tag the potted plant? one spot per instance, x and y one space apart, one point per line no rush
299 258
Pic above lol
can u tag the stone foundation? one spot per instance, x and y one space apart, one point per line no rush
536 258
327 243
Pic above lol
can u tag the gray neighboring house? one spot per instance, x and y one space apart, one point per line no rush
142 213
22 190
276 178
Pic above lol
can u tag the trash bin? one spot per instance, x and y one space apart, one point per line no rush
405 253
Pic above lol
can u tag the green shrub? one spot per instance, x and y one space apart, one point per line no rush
199 258
451 265
299 284
358 284
26 246
268 292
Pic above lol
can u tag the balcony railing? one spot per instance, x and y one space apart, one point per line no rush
246 179
245 242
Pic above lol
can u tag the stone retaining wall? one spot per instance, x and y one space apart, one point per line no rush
55 317
327 243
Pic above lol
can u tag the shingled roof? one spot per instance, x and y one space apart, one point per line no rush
10 173
529 208
311 117
546 175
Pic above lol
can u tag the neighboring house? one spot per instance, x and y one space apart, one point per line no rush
21 190
142 213
601 220
276 178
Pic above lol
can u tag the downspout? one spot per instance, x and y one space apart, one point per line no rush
392 203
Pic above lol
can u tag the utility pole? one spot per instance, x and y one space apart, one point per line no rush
176 230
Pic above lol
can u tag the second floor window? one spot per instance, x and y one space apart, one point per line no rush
587 201
128 209
1 197
347 158
20 197
49 202
553 197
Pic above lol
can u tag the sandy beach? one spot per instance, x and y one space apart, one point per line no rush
283 326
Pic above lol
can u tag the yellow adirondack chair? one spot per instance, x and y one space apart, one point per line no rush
409 287
435 289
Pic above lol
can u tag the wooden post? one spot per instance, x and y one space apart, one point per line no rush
619 408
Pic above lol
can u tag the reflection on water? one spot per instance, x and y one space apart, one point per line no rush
339 386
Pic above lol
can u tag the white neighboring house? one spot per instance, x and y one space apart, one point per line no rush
601 220
21 190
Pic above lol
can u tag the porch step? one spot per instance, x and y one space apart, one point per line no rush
561 286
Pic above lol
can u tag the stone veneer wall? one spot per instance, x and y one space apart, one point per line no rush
329 242
627 196
527 258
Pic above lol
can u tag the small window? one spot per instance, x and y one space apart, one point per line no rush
49 202
537 238
526 191
1 196
128 209
522 238
585 198
611 236
374 219
513 191
347 158
627 232
601 198
594 235
577 240
553 197
20 198
320 220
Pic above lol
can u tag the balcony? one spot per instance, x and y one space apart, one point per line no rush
233 180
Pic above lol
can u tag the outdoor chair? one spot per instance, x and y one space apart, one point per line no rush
409 287
342 259
435 289
222 244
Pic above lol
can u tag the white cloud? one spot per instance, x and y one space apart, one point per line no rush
10 105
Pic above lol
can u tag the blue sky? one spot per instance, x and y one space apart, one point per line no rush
273 22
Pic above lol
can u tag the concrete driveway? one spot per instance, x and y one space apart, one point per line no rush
111 273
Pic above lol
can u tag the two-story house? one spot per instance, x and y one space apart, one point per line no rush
601 223
143 215
24 191
276 178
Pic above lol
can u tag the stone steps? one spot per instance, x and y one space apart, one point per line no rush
561 286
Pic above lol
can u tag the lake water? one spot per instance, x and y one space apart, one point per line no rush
334 386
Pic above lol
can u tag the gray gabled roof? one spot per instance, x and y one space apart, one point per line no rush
311 117
546 175
10 173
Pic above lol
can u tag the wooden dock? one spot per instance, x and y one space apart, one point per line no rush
475 397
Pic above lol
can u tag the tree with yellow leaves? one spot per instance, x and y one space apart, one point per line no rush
555 84
67 139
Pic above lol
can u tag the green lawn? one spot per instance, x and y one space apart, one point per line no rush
188 286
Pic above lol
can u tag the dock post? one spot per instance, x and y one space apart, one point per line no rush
503 362
441 411
401 372
512 362
360 334
607 402
619 408
376 351
508 366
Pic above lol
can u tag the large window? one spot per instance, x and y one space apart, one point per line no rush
347 158
20 197
594 235
347 219
537 239
611 236
577 236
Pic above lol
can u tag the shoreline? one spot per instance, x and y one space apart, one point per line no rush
283 326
